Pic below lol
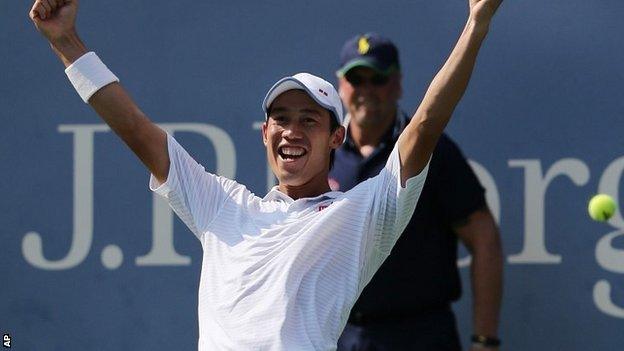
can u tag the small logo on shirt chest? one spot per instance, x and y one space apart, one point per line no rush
322 207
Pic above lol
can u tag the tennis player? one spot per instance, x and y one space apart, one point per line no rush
279 272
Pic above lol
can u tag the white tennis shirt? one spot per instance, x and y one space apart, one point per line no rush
278 273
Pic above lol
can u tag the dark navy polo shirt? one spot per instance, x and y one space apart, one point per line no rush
421 272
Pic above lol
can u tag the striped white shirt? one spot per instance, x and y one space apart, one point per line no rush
278 273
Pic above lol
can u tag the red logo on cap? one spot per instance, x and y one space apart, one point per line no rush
322 92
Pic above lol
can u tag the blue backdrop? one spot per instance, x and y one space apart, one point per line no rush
89 261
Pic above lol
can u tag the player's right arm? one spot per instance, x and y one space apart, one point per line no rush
55 20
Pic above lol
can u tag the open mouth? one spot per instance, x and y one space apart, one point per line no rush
291 153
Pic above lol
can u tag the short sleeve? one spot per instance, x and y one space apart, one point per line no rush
393 206
195 195
459 191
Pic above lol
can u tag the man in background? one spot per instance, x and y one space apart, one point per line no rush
407 305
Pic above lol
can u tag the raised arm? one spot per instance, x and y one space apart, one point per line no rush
55 20
420 137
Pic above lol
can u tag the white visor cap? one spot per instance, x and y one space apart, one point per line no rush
318 88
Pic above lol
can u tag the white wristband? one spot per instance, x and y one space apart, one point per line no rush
88 74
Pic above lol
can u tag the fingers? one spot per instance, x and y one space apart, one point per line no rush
34 11
47 9
46 6
43 9
39 10
55 4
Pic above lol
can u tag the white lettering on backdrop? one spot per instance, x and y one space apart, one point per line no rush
163 253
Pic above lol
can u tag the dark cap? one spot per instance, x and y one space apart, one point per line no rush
369 50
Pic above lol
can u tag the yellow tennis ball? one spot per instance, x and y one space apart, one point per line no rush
601 207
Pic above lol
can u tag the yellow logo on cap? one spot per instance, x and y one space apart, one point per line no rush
363 45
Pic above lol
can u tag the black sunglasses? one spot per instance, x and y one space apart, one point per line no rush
357 80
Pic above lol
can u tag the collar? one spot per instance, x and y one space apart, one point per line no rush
276 195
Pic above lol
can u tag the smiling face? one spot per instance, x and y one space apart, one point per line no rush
298 140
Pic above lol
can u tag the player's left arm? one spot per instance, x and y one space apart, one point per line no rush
480 234
419 138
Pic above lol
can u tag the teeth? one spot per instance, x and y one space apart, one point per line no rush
293 151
